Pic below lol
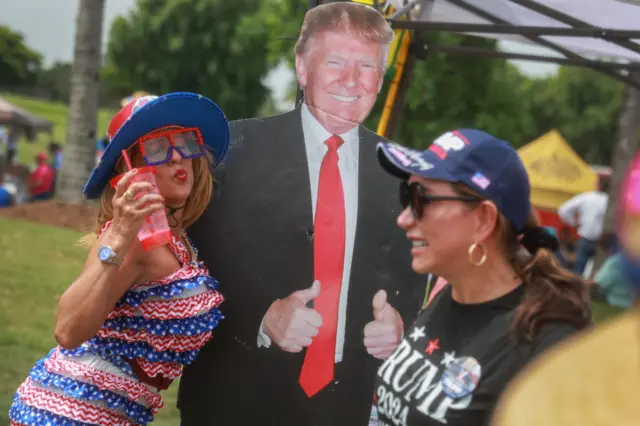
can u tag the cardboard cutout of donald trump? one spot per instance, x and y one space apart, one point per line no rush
301 234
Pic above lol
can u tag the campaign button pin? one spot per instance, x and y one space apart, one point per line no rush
461 377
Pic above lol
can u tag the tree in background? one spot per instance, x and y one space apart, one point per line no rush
582 104
19 64
214 47
80 146
56 81
451 91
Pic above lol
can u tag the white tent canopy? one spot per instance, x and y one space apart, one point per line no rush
602 34
29 123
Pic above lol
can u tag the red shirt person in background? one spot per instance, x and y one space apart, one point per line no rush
41 179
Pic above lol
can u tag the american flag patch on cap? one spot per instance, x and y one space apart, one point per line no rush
480 180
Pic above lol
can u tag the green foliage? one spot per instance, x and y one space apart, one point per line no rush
284 19
583 105
19 64
57 81
213 47
450 91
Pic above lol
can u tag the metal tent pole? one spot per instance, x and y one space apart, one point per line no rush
387 127
405 62
541 41
397 82
576 23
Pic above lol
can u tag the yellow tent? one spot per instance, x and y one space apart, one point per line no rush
556 171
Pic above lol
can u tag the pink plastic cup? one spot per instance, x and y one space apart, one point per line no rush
155 230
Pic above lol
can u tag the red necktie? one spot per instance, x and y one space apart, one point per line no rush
328 263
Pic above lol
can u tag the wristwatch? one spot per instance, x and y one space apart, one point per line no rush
107 255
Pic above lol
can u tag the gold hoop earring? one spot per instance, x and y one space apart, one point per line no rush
472 250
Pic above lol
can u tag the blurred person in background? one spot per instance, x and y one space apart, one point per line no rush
593 379
610 284
586 211
558 253
4 137
41 178
7 193
468 215
11 140
55 151
101 145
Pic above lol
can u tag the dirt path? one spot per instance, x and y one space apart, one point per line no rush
54 213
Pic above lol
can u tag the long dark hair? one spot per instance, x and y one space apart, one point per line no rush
552 292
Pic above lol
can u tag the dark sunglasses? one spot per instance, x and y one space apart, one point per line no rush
412 194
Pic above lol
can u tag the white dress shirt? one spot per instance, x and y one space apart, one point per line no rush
314 137
590 208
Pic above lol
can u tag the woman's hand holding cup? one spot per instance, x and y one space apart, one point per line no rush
132 202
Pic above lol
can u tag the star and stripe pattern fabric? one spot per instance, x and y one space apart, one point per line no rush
160 324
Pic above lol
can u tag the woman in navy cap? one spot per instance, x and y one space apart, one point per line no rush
468 217
134 316
591 380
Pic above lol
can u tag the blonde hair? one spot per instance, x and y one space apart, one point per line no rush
195 205
358 19
552 292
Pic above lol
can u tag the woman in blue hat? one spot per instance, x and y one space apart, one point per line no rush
468 217
134 316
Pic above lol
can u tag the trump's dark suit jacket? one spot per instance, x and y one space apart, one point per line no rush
257 240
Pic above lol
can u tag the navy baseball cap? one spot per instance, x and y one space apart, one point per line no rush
149 113
487 165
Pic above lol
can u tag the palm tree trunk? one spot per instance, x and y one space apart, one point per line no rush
80 146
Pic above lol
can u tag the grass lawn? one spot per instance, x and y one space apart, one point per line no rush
55 112
38 263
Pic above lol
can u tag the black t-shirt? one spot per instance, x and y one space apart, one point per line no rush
454 361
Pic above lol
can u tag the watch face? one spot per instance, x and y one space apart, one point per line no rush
104 253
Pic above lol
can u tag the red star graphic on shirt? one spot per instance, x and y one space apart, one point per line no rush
433 346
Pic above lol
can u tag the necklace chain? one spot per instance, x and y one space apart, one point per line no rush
192 249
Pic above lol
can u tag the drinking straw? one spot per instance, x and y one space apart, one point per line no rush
125 155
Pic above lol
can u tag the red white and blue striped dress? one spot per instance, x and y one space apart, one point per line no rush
156 327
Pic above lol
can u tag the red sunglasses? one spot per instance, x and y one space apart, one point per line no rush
158 147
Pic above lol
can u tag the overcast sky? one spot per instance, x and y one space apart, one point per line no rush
49 27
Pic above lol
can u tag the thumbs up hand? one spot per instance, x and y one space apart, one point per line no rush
290 324
383 334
